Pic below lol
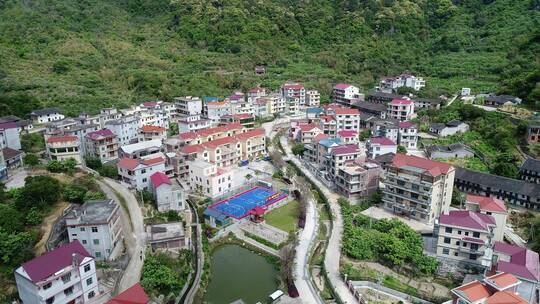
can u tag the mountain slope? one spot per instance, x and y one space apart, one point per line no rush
83 55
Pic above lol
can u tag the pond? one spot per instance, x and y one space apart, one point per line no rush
238 273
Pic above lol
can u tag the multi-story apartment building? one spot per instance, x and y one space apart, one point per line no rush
346 119
344 93
46 115
533 130
10 136
403 80
357 179
418 187
465 237
401 110
192 123
64 147
377 146
188 105
340 155
307 132
148 132
261 107
255 93
246 120
292 105
313 98
97 225
209 179
108 114
498 288
201 136
512 191
125 128
102 144
168 196
530 171
141 149
277 104
65 275
408 135
294 90
348 136
214 110
136 172
427 103
489 206
329 125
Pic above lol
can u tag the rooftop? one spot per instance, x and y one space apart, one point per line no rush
97 135
487 203
92 212
42 267
133 295
498 182
430 167
523 262
342 86
143 145
347 133
10 153
531 164
149 128
467 219
401 102
159 178
164 231
383 141
45 111
66 138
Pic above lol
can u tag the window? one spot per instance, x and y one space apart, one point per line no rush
466 233
68 291
47 286
82 229
448 230
472 256
98 254
459 232
96 241
66 278
91 294
89 281
446 251
87 268
50 300
457 243
476 234
84 242
94 229
447 240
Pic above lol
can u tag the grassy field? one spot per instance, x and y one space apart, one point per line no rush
284 217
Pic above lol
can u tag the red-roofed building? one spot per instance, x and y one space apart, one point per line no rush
348 136
245 119
294 90
427 186
133 295
64 147
147 133
521 263
465 237
307 132
408 135
346 118
64 275
400 109
498 289
167 194
102 144
256 93
492 206
343 93
136 172
377 146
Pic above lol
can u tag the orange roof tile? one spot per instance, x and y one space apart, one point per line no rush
502 280
434 168
473 291
55 139
250 134
149 128
505 297
128 163
487 203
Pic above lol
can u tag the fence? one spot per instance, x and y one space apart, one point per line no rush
391 292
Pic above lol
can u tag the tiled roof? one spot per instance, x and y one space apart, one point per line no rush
55 139
224 128
100 134
505 297
319 137
496 182
219 142
188 135
383 141
257 90
152 161
347 133
128 163
345 149
502 280
406 125
327 118
293 86
531 164
401 102
467 219
341 86
150 104
523 262
473 291
10 153
192 149
487 203
497 289
149 128
133 295
159 178
346 111
45 111
434 168
250 134
308 127
8 125
51 262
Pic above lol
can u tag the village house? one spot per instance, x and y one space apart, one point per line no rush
530 171
499 288
408 135
294 90
493 100
168 196
490 206
168 237
125 128
418 187
450 128
340 155
46 115
141 149
246 120
209 179
64 275
255 93
375 109
343 93
457 150
381 97
427 103
136 172
380 145
214 110
356 179
346 119
348 136
148 132
133 295
22 124
12 159
64 147
97 225
10 136
307 132
533 130
102 144
389 84
313 98
401 110
465 237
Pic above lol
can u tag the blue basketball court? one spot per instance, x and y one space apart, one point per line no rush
239 205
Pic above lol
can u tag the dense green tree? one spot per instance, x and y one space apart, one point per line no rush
32 142
10 218
16 248
298 149
31 160
39 191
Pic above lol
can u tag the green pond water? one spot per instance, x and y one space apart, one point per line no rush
238 273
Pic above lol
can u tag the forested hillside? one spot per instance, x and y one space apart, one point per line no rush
83 55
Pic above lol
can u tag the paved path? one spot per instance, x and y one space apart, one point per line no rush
333 252
134 235
200 258
302 278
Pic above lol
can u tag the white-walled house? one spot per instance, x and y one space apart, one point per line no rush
209 179
125 128
401 109
46 115
96 224
449 128
64 147
136 172
167 195
10 136
64 275
343 93
377 146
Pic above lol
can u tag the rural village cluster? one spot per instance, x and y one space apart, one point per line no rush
213 163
